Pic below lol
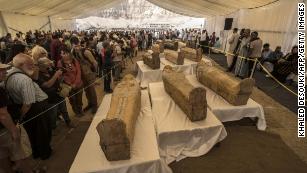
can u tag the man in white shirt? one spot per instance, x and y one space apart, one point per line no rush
33 101
204 40
190 37
233 41
255 47
99 46
194 35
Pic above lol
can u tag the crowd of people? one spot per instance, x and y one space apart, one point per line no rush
196 38
247 52
39 69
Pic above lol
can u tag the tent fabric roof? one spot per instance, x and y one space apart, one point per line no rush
68 9
203 8
65 9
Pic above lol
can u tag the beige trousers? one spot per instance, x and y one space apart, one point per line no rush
229 60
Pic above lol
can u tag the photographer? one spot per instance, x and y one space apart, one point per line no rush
49 81
72 77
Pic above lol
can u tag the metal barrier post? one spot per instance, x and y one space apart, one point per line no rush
254 67
209 52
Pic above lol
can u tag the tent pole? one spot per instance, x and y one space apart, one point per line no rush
50 26
4 23
14 29
48 23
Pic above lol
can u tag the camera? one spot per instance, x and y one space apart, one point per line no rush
52 70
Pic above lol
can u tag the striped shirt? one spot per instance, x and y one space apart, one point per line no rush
22 89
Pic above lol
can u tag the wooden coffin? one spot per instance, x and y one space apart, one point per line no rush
192 54
158 47
173 57
191 100
233 90
171 44
181 45
160 42
116 132
152 60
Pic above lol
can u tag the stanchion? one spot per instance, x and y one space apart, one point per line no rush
253 69
209 52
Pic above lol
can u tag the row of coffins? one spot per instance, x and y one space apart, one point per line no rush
171 44
185 53
117 130
152 58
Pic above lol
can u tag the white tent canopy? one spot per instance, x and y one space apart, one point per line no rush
203 8
274 19
66 9
76 8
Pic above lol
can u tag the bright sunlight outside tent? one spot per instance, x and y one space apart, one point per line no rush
137 14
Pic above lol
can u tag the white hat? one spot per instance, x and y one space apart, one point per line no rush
4 66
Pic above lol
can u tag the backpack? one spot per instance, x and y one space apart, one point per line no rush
12 107
108 61
87 70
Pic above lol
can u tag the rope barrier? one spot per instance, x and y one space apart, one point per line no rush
50 108
256 61
276 79
227 53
